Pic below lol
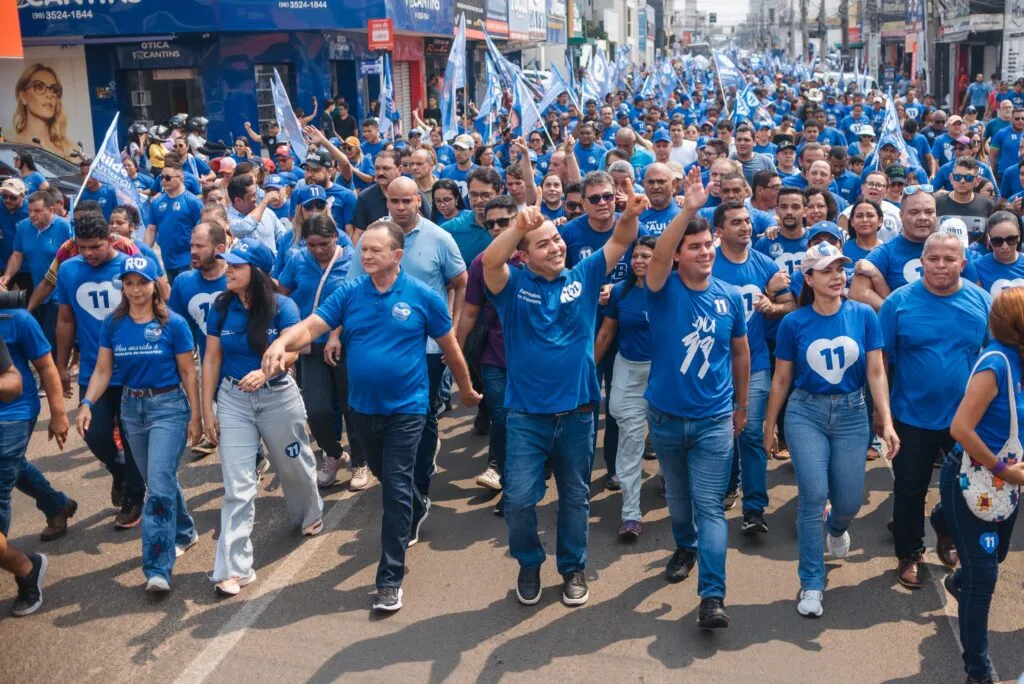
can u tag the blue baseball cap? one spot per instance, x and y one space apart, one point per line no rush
661 135
275 181
764 125
141 265
307 194
826 227
252 252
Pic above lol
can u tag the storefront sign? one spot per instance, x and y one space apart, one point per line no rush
914 15
641 25
476 16
369 66
420 16
894 17
159 54
538 21
497 18
40 18
380 35
1013 41
556 21
437 46
518 20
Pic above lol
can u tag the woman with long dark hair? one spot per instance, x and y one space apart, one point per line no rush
447 201
819 206
151 349
864 224
1003 266
242 323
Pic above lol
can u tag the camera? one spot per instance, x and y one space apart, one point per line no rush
14 299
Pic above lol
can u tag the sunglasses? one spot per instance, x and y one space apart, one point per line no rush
38 87
603 198
1010 240
503 222
168 178
316 205
914 189
573 206
964 177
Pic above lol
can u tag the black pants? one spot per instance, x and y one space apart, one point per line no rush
610 446
323 388
912 470
100 439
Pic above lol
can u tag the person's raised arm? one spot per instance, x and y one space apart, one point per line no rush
624 233
665 249
253 135
520 146
315 135
495 257
276 358
572 164
306 119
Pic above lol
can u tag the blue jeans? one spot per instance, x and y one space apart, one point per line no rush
389 443
828 436
696 457
100 439
157 428
749 461
979 564
424 469
17 471
494 392
568 440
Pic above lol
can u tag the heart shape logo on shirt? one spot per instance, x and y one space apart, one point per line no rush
789 261
1004 284
748 293
99 299
912 271
199 308
831 358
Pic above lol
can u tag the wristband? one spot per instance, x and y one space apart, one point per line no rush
86 402
998 468
739 408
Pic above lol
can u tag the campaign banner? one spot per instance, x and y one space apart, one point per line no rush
420 16
286 118
556 16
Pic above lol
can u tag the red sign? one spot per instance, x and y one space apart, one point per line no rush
381 35
10 32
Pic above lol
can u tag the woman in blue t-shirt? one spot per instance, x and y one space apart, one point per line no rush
446 201
626 316
242 323
1003 266
827 349
864 224
149 349
309 278
983 426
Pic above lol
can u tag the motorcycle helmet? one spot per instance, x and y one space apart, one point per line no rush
197 124
160 133
177 121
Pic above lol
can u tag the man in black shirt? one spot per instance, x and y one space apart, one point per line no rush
372 203
432 111
344 124
963 203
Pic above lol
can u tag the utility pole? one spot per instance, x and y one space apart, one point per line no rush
844 29
805 39
872 42
824 32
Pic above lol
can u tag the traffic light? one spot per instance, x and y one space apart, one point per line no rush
713 18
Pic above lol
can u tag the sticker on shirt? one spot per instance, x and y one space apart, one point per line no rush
199 308
98 299
989 541
401 311
153 331
831 358
293 450
1005 284
748 293
913 271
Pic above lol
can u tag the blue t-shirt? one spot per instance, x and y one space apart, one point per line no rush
302 275
174 218
26 342
787 252
691 368
373 149
192 297
92 296
994 426
550 357
365 165
32 182
8 230
655 221
629 308
899 261
750 279
995 276
38 248
385 335
238 358
1008 142
144 353
344 206
848 186
551 214
829 353
760 220
581 241
454 173
471 238
445 154
589 158
105 197
936 339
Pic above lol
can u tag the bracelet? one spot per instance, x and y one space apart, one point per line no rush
737 407
998 468
86 402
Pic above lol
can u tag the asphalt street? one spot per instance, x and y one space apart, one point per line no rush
307 616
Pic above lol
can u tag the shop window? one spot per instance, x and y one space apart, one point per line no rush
264 96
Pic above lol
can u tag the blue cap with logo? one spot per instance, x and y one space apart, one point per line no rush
827 227
661 135
252 252
307 194
275 181
140 265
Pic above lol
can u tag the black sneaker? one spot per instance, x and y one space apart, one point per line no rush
729 502
952 584
388 599
712 613
680 565
528 586
116 494
753 521
612 483
129 516
30 587
417 523
574 589
649 454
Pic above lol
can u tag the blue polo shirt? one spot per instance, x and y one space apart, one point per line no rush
938 338
691 368
174 218
550 357
39 247
26 342
471 238
92 296
628 306
581 241
385 335
231 326
1008 143
655 221
302 275
32 182
144 353
192 297
750 279
8 230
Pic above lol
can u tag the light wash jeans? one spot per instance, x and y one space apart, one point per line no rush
627 405
696 458
276 414
828 437
157 428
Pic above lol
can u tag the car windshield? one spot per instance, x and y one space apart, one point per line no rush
50 165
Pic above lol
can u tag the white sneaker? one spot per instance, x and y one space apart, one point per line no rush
157 584
231 587
809 604
328 474
360 479
838 546
179 551
489 479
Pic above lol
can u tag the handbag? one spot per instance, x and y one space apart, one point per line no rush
476 340
319 289
988 496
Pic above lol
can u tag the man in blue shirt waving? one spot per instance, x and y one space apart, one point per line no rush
552 390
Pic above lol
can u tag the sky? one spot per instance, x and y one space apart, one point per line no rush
730 12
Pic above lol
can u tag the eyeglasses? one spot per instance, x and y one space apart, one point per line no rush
444 200
573 206
316 205
914 189
1010 240
38 87
964 177
485 196
874 185
503 222
599 199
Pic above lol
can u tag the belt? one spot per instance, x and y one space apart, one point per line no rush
278 381
149 391
582 408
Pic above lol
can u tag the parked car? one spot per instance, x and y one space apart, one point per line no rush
58 171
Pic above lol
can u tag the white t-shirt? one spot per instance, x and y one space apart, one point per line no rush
685 154
892 224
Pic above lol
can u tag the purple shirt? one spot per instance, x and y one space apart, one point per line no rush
476 294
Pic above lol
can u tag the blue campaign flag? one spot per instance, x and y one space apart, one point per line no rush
524 116
491 103
595 80
107 167
506 70
454 78
285 116
388 111
574 87
892 132
728 73
554 87
622 64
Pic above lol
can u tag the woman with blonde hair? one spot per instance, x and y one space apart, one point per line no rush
39 112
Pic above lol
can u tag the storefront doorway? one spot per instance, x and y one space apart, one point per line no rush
158 94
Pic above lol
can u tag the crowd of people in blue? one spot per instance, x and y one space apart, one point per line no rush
722 289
